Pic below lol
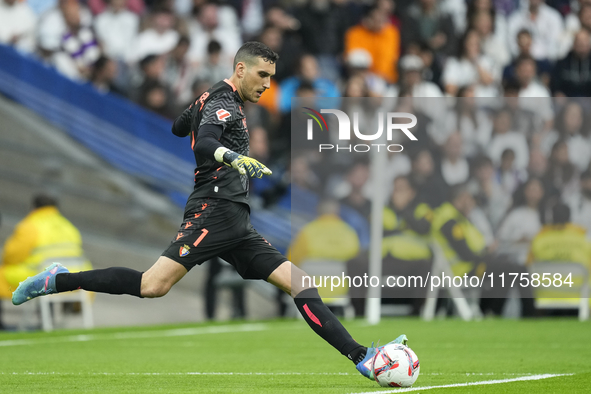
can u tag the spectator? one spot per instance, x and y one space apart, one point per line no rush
431 187
380 38
43 236
432 69
523 120
473 123
158 39
572 127
179 73
457 9
572 75
357 178
307 71
79 48
561 241
471 67
155 97
214 22
99 6
465 248
580 203
505 138
489 194
426 24
358 64
323 27
538 164
493 45
497 15
117 29
509 177
151 70
574 22
411 79
533 96
545 25
561 178
405 245
213 69
286 45
17 25
543 66
522 222
102 77
454 167
326 239
51 27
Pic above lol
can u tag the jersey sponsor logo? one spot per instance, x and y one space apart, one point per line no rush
184 250
222 114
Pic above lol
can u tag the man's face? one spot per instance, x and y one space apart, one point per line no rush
526 71
403 193
582 44
256 78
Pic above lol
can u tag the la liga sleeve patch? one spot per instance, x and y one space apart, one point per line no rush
222 114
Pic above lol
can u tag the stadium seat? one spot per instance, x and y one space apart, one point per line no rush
48 321
580 278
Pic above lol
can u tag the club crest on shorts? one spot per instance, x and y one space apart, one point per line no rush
184 250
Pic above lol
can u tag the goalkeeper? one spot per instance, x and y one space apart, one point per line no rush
217 215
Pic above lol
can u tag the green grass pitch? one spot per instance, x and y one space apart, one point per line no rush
287 357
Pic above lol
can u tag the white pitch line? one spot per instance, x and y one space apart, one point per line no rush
139 334
484 382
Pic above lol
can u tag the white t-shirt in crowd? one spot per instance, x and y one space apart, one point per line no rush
117 32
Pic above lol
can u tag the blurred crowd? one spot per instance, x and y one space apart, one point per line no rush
163 53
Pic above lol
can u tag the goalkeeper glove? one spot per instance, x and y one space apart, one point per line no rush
244 164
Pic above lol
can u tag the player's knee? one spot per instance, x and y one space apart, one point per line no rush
154 290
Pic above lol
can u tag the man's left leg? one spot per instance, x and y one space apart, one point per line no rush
315 312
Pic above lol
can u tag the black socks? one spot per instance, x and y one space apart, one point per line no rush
325 324
115 280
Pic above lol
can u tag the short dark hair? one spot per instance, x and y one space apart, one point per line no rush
44 200
147 60
255 49
214 47
560 214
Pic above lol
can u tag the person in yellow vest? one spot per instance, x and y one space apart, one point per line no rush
324 246
465 249
405 248
561 241
43 235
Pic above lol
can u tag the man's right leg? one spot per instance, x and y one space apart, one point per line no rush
155 282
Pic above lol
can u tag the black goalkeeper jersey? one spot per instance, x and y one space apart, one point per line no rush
220 105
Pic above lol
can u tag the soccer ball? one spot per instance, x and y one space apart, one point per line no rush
396 365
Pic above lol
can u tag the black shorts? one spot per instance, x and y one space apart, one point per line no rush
221 228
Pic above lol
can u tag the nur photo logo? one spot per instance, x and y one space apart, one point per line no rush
390 122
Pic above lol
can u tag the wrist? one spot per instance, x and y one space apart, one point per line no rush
219 154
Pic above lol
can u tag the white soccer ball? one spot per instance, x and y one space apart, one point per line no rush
396 365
